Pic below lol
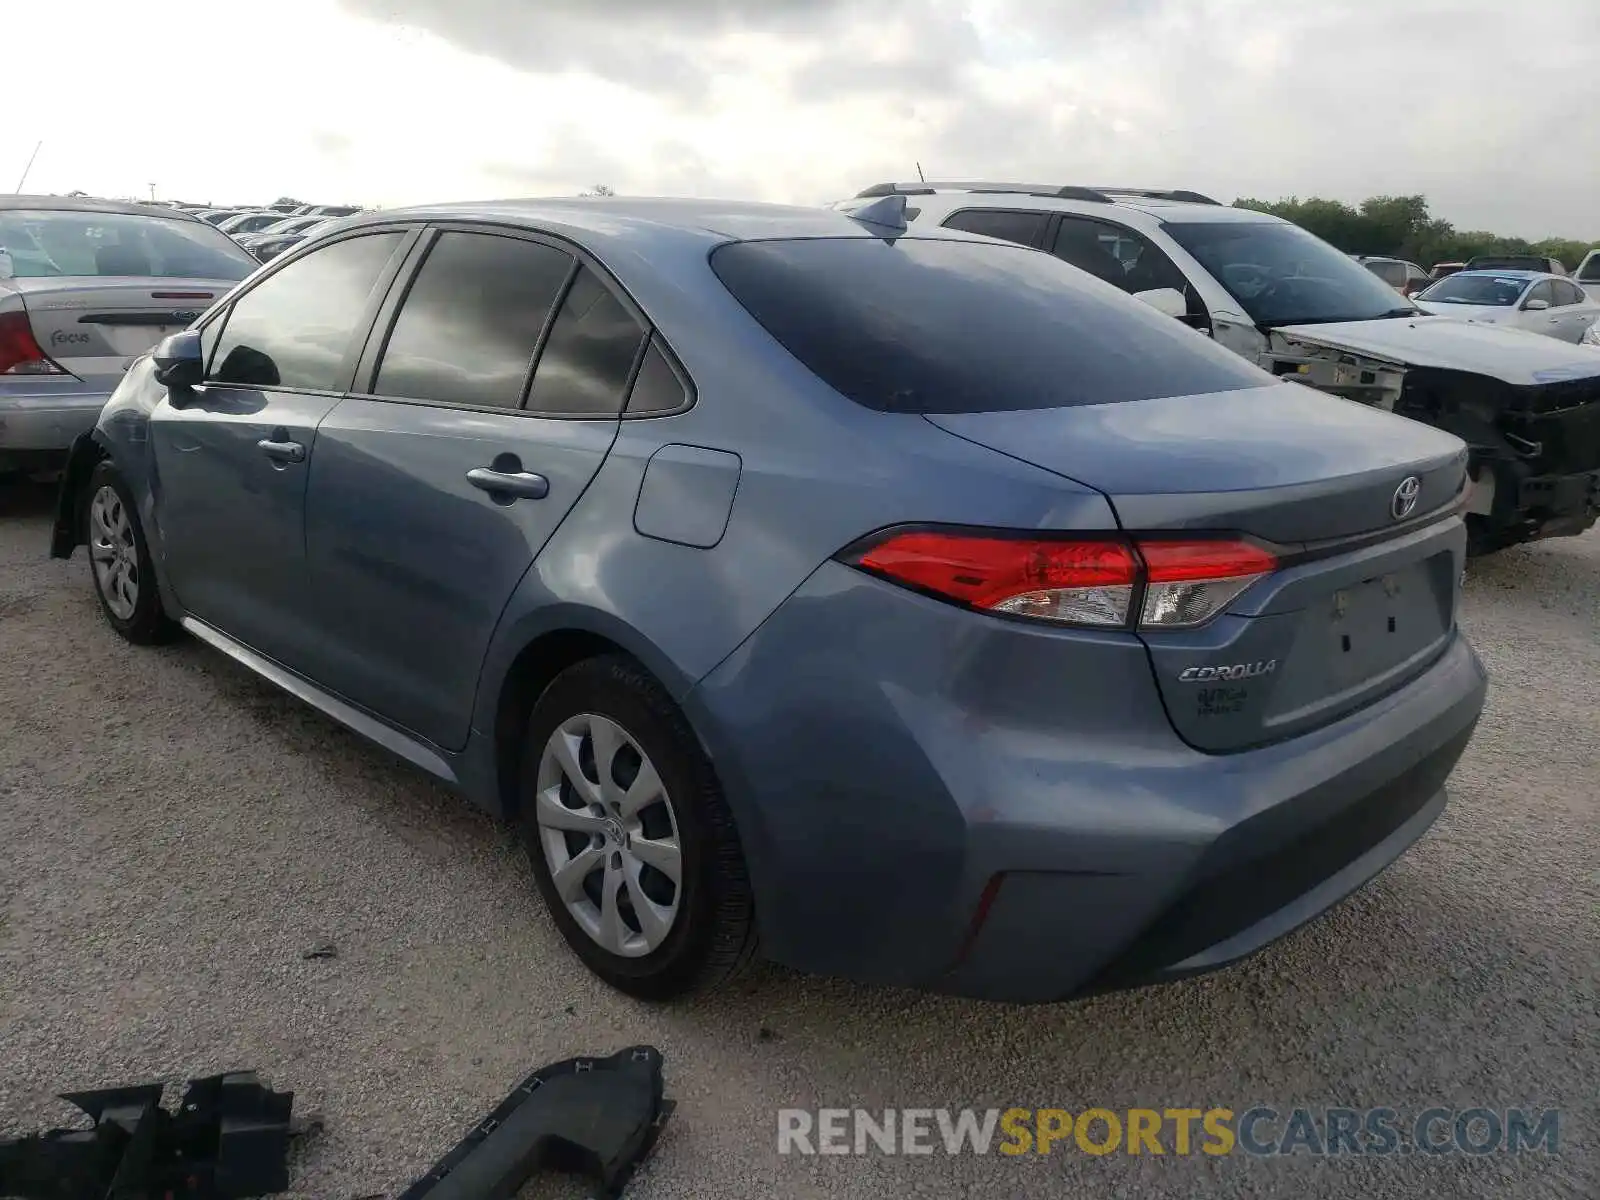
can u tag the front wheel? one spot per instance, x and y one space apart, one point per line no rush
631 841
119 561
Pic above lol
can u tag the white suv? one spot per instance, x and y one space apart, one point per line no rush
1283 298
1233 273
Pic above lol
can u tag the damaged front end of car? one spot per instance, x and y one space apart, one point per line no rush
1534 439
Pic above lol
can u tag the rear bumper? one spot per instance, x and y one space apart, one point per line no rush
934 799
46 420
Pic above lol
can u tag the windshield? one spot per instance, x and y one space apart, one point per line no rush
1282 275
1497 290
114 245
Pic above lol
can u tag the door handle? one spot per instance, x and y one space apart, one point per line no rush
282 452
522 485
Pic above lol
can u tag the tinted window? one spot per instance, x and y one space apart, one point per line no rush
1590 271
1118 256
44 244
1282 275
657 388
468 326
584 367
1025 228
947 326
1540 291
293 328
1568 293
1392 273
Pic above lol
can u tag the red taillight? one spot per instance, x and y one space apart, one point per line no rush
1088 582
19 352
1189 582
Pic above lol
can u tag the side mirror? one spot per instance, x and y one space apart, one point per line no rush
1536 305
179 360
1169 301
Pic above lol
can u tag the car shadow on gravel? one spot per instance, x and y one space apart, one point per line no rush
27 498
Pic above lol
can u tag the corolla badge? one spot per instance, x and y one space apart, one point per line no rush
1405 498
1235 671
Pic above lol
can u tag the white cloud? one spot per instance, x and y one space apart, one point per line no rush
1484 106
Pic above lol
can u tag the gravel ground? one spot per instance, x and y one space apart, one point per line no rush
175 834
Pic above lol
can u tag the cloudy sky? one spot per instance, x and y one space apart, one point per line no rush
1489 107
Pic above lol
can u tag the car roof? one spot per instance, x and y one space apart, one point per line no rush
635 223
93 205
1158 204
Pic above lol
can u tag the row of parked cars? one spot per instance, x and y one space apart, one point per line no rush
1409 279
268 232
878 587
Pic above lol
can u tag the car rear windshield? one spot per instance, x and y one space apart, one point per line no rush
945 326
47 243
1509 262
1496 290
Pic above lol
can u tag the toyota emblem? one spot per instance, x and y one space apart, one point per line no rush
1405 498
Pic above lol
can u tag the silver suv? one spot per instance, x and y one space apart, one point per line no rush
1281 297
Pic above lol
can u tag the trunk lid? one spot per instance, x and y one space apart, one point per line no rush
1363 600
93 326
1284 463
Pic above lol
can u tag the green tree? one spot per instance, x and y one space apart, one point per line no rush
1402 227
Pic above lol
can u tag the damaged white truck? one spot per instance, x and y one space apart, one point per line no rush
1527 406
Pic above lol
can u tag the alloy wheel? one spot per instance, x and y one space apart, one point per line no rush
609 835
113 552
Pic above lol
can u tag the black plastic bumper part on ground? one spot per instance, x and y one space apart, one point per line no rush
594 1116
229 1139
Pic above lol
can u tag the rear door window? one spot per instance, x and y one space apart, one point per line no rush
1567 293
945 326
468 326
658 388
585 365
294 328
1024 228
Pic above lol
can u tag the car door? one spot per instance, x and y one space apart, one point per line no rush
484 411
233 454
1574 310
1543 319
1128 260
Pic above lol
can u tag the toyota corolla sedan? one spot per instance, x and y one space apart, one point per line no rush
908 607
85 285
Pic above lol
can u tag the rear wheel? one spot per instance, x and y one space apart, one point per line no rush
119 560
631 841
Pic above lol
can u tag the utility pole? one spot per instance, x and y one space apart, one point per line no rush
921 178
29 167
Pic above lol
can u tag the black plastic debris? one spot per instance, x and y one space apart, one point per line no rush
228 1140
598 1117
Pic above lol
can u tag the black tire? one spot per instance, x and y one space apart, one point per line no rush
148 623
713 935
